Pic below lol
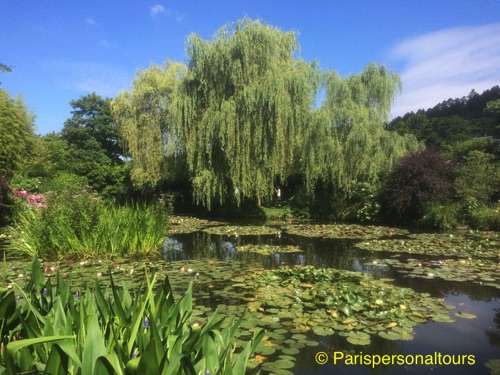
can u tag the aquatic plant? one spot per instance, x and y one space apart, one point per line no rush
54 330
355 305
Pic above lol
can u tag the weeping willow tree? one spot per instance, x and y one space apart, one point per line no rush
147 124
346 142
242 110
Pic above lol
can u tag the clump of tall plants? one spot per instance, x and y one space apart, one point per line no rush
57 331
77 223
442 215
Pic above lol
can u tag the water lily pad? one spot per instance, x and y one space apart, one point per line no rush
464 315
284 364
241 230
291 351
323 331
390 335
358 338
265 350
299 337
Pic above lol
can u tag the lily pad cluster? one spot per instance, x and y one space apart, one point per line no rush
438 244
188 224
352 231
269 249
354 305
242 230
481 271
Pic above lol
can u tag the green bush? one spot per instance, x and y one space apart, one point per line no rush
77 223
486 218
478 178
54 331
441 215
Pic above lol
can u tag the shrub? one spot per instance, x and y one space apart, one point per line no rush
419 179
478 178
441 215
486 218
362 205
135 332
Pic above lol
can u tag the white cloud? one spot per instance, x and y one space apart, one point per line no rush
90 21
157 9
447 64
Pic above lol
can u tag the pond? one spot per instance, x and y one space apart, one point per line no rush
454 298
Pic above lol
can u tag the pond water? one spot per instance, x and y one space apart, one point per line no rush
478 337
228 271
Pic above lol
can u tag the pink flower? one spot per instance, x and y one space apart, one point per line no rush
20 193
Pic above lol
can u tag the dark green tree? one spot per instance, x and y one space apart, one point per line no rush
92 127
94 148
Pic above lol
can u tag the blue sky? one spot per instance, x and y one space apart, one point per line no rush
61 50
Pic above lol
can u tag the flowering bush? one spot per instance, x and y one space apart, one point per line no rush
35 200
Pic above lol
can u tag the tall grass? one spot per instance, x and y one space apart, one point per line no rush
78 224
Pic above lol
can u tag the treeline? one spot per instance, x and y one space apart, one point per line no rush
454 120
241 121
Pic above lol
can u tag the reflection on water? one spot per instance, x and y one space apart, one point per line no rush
479 337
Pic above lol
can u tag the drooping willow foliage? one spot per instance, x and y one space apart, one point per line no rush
243 115
146 120
346 142
243 106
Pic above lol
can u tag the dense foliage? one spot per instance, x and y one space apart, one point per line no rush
145 119
87 148
16 143
418 180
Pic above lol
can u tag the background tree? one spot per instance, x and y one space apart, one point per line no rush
453 120
16 141
16 133
242 110
347 149
146 121
91 127
478 178
94 149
